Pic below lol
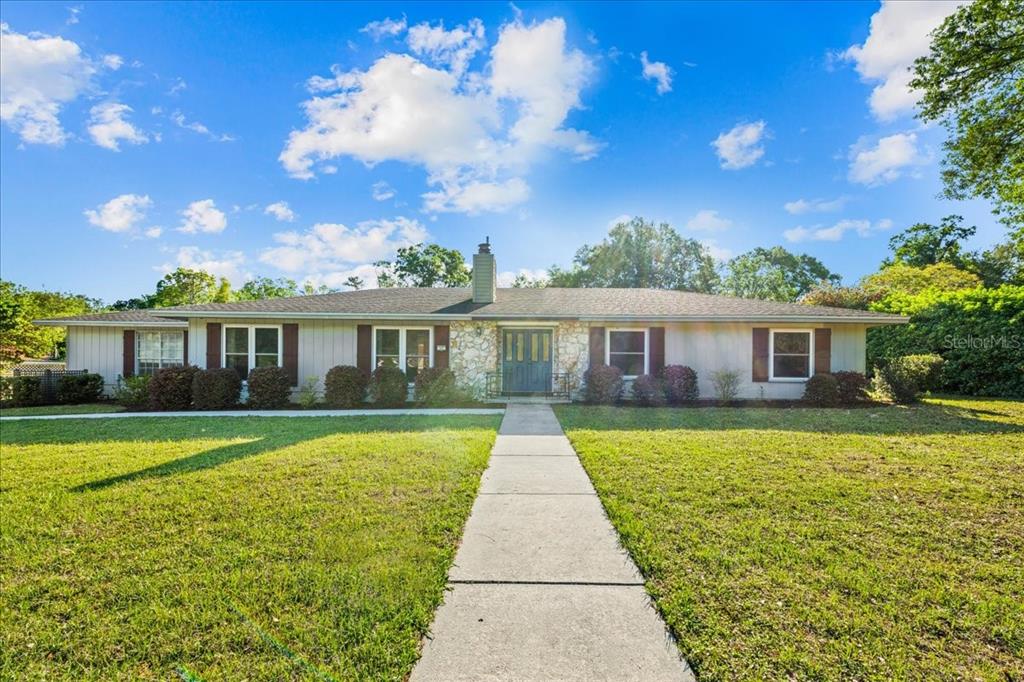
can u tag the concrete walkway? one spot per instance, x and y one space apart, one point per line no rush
423 412
540 588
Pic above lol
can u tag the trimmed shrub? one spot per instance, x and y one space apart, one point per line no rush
345 386
822 390
389 387
853 387
925 370
81 388
132 393
648 390
27 391
680 384
890 385
216 389
170 388
727 384
436 386
269 388
603 385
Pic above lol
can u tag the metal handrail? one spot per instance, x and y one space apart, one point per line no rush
560 386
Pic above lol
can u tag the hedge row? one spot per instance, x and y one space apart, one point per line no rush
72 389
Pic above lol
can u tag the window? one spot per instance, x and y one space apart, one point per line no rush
791 354
249 347
408 349
159 349
627 350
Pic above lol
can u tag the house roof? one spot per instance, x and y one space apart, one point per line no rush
543 303
120 318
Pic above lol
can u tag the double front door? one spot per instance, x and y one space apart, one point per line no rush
526 360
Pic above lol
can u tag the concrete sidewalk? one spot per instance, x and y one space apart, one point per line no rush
540 588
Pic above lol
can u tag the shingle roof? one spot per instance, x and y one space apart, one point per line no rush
120 317
542 303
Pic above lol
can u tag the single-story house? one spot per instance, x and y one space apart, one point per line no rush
497 341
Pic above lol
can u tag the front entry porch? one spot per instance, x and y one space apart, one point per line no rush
527 361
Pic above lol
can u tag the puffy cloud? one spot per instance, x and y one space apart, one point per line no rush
709 221
108 127
834 233
154 232
506 278
281 211
886 161
899 34
120 214
801 206
39 74
384 27
113 61
382 191
474 133
203 216
336 279
229 264
335 247
741 147
658 72
719 253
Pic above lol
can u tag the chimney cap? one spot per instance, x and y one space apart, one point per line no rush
485 247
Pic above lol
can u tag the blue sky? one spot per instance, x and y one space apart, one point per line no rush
309 140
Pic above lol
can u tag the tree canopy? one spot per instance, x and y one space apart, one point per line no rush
910 279
188 287
925 244
775 274
19 306
263 288
421 265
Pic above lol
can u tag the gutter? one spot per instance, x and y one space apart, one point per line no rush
71 322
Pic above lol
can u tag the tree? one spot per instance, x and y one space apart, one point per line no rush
524 281
925 244
774 274
973 81
19 337
263 288
908 279
828 294
640 254
309 289
424 266
139 303
188 287
1002 264
353 282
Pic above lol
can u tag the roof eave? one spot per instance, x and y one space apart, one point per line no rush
176 324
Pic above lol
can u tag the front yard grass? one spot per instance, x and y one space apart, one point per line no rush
229 548
87 408
866 544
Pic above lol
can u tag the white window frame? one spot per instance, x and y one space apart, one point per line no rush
771 355
138 347
401 345
647 347
251 343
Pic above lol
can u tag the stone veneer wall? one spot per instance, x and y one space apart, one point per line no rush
572 351
473 353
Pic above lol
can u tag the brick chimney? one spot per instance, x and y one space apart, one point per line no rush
485 274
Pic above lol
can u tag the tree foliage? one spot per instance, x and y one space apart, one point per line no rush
262 288
421 265
19 337
828 294
775 274
188 287
924 244
973 82
908 279
640 254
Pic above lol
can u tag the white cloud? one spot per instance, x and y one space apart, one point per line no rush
384 27
203 216
154 232
334 247
474 133
717 252
886 161
899 34
801 206
834 233
281 211
453 49
108 127
618 220
657 71
709 221
179 85
229 264
113 61
382 191
741 147
179 120
39 74
73 13
120 214
506 278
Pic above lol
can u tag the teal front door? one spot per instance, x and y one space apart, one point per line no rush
526 361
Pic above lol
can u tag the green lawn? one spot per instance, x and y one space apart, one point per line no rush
234 548
88 408
866 544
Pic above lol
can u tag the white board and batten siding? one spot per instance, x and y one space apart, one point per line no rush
98 350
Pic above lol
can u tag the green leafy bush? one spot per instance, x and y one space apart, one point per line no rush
889 384
269 388
822 390
27 391
853 387
132 393
170 388
603 385
648 390
216 389
680 384
389 387
436 386
345 386
727 384
925 370
308 397
978 332
75 389
901 380
6 389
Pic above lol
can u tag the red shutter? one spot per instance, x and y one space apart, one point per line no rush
441 333
184 348
656 343
128 369
822 351
364 337
290 350
760 363
596 346
213 345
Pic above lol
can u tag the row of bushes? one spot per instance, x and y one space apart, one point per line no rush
72 389
674 385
